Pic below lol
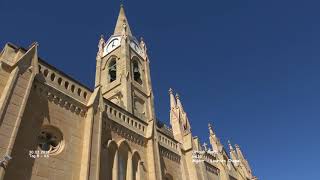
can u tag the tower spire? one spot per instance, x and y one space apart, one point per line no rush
122 23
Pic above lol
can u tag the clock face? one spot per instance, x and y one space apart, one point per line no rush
112 44
135 47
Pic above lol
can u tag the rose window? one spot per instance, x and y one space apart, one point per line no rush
50 139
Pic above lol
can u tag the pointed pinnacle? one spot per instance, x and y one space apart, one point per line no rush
177 96
210 128
173 102
170 91
35 43
121 22
230 146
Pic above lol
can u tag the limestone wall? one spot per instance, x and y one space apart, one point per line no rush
44 109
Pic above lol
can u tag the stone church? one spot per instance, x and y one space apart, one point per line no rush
52 127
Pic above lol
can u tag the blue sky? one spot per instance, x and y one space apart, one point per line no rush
249 67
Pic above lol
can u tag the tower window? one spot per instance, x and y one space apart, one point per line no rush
136 72
112 70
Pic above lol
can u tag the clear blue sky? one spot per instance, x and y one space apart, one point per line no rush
250 67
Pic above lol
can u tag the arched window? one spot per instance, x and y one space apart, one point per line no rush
136 72
136 166
123 161
112 160
112 70
122 167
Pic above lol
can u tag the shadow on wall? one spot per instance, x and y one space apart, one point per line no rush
106 153
21 165
5 69
163 165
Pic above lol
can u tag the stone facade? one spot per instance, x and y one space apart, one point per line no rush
55 128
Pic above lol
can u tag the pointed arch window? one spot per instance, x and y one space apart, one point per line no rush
136 168
123 161
136 72
122 168
112 70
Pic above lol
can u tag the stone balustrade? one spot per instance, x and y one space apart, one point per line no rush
126 119
167 142
64 83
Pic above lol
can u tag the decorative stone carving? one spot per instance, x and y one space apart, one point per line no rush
59 99
51 140
143 47
100 47
139 105
212 169
124 30
117 98
128 134
169 154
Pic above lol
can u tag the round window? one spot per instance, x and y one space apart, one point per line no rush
51 140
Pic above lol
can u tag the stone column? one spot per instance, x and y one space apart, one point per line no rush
129 167
115 170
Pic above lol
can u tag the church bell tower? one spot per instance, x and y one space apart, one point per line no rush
122 70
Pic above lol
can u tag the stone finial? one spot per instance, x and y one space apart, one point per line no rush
179 104
34 44
172 99
101 45
230 146
210 129
170 91
143 46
